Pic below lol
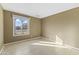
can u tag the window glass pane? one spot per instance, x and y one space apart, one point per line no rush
24 25
18 24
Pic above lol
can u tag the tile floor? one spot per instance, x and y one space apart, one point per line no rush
37 46
20 47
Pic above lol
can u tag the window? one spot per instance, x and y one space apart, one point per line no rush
20 25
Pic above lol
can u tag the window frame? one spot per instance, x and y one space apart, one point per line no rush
21 33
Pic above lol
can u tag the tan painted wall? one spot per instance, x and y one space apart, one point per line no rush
65 25
35 28
1 27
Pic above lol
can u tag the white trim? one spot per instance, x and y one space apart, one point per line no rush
22 40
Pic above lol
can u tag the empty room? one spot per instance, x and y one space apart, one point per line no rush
39 28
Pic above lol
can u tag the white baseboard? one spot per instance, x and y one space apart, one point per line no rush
22 40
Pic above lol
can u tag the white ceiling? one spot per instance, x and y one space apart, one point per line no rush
39 10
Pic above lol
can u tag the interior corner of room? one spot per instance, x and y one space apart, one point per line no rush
61 28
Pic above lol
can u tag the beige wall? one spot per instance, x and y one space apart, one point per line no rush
65 25
35 28
1 27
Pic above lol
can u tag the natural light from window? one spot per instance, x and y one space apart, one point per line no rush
20 25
